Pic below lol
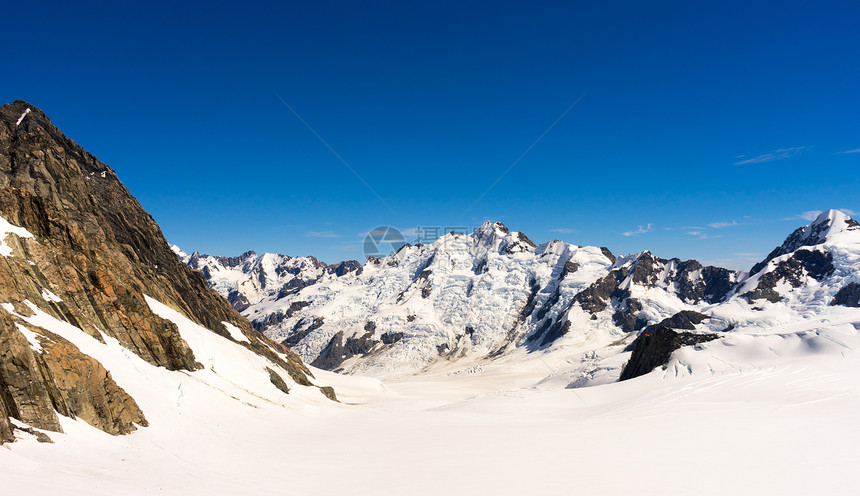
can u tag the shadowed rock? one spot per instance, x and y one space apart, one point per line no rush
653 349
848 295
814 263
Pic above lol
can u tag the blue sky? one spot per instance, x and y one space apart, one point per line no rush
702 130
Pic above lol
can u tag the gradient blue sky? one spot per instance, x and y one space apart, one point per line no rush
704 130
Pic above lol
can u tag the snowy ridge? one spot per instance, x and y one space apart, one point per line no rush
249 278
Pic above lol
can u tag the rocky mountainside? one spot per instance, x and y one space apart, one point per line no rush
79 259
249 278
472 298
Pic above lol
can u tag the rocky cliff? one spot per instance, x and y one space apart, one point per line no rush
79 247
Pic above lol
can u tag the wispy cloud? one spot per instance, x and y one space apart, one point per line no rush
848 152
720 225
809 215
322 234
781 154
702 235
562 230
640 230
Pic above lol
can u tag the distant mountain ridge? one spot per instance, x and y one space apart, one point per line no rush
488 293
249 278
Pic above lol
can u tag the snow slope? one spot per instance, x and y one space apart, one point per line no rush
771 413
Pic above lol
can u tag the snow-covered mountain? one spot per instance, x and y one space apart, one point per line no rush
471 298
479 296
249 278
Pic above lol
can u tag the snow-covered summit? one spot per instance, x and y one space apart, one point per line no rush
831 226
811 266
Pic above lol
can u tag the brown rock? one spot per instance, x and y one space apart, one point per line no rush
22 384
97 249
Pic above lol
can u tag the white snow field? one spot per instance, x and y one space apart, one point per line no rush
760 411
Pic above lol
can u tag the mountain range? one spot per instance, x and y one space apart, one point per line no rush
473 298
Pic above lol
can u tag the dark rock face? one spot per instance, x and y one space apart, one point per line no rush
848 295
814 263
653 349
343 268
277 318
596 297
569 268
297 335
689 280
555 331
712 285
277 381
608 254
238 300
336 351
97 249
693 282
626 317
391 337
685 319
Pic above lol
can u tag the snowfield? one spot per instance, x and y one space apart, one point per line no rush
759 412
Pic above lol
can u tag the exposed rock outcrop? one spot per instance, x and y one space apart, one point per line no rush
93 254
793 271
848 295
655 346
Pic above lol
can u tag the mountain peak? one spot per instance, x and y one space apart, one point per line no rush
836 221
19 113
823 229
490 227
